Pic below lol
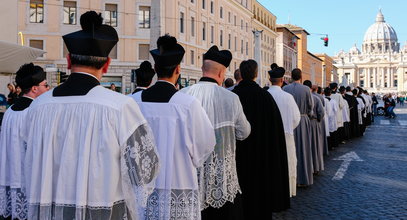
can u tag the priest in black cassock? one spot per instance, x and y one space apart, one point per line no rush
261 159
353 109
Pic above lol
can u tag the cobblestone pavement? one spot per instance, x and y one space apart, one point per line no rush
375 188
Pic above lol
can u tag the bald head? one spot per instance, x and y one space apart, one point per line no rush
214 70
314 88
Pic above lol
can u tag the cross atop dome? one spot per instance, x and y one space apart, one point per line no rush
379 16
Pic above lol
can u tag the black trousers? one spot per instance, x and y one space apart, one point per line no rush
229 211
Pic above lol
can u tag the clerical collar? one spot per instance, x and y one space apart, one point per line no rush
88 75
140 87
28 97
349 93
160 80
208 79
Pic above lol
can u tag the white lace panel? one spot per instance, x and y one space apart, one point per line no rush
70 212
13 203
140 166
173 204
217 179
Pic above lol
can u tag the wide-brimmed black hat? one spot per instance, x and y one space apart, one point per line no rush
220 56
95 38
277 72
29 75
168 53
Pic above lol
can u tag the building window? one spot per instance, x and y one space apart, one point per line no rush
235 20
247 26
212 34
247 48
37 11
144 17
362 84
235 43
39 44
229 16
394 83
203 4
143 51
211 7
203 31
111 15
69 12
113 52
241 24
181 22
241 47
221 38
229 41
192 57
221 12
192 26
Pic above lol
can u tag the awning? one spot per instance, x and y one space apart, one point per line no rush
12 56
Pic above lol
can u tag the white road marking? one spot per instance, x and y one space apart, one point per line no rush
384 122
347 158
402 122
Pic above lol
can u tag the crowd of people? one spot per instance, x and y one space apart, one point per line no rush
81 151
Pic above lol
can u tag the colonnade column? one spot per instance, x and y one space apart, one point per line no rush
374 77
382 77
388 77
391 77
369 74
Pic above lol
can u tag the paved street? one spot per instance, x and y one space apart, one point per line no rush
375 188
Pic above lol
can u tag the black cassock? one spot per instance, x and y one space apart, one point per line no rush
261 159
354 118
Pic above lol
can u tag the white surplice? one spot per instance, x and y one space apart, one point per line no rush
13 202
346 112
291 117
185 138
341 104
333 123
328 112
88 157
361 107
218 181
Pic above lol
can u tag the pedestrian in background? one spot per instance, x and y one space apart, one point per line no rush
12 96
374 104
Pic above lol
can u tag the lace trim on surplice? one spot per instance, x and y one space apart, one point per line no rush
13 203
218 182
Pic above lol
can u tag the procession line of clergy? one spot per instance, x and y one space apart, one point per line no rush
81 151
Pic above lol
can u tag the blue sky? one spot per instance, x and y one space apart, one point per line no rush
345 21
